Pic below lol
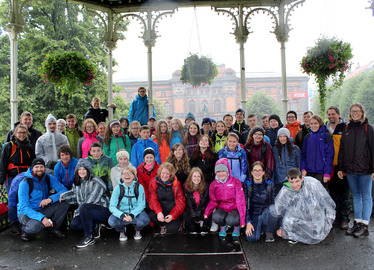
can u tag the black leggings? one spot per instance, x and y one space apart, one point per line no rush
221 217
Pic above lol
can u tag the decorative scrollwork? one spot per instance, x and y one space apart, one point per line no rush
289 9
271 11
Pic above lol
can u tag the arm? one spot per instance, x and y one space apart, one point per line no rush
69 196
131 113
297 153
269 160
157 153
329 157
56 185
4 162
114 202
24 206
39 150
154 204
141 202
244 165
79 147
213 202
128 145
134 159
180 202
240 202
304 154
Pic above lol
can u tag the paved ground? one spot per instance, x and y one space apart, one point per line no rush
337 251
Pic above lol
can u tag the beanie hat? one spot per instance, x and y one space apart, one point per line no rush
113 123
147 151
220 167
213 120
256 129
151 118
121 153
276 118
284 131
37 161
124 118
293 112
189 115
240 110
206 120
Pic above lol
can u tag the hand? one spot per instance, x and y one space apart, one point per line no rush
127 218
45 202
326 179
168 218
341 174
160 217
205 217
153 136
46 222
111 105
60 199
304 172
250 229
281 232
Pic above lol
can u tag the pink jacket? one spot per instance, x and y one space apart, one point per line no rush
228 196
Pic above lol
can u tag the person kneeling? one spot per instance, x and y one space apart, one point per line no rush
307 209
127 205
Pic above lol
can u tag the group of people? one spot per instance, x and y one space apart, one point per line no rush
292 179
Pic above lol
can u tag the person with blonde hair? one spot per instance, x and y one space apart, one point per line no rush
90 135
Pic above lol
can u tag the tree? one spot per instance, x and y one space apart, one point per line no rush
260 104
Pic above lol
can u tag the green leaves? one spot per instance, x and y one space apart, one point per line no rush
198 70
260 104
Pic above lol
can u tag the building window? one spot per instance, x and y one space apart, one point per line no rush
192 106
204 107
217 106
268 90
167 108
163 93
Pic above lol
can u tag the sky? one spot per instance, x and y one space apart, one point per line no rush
211 36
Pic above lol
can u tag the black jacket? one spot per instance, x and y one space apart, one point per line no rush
98 115
34 135
299 139
192 209
356 152
272 133
206 166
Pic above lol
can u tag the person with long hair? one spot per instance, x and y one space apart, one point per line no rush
179 158
356 161
286 156
163 139
166 200
197 198
192 137
90 135
219 136
147 170
259 194
204 158
177 131
114 141
89 192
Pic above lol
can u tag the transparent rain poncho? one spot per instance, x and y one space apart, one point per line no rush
308 214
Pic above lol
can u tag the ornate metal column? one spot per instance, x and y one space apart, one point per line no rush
14 27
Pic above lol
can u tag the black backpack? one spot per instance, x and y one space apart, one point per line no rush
122 193
31 185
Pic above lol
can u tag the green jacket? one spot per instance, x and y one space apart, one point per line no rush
73 137
101 167
116 144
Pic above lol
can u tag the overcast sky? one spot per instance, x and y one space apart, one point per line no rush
346 19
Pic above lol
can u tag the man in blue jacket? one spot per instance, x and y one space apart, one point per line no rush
139 108
37 208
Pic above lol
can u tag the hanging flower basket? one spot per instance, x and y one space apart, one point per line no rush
69 70
198 70
329 59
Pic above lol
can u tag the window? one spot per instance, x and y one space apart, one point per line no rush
217 106
167 108
192 106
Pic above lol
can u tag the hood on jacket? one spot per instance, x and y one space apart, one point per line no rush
85 164
189 115
322 129
50 118
224 161
29 173
138 97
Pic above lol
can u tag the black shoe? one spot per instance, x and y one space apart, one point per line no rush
356 226
86 241
57 234
362 232
96 231
25 237
15 228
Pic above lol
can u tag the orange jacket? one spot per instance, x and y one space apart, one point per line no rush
293 128
164 148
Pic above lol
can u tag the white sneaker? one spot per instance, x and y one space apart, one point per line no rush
137 235
214 227
122 236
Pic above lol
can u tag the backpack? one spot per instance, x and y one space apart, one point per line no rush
122 193
31 185
263 149
327 139
14 149
249 189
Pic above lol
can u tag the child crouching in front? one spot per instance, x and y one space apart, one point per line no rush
307 209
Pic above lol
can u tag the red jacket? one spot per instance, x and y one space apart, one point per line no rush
180 202
145 176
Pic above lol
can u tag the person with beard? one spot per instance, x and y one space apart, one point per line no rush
96 113
37 208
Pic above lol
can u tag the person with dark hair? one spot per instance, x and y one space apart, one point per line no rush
147 170
96 113
304 130
101 130
240 126
72 132
139 108
187 120
265 122
115 140
134 132
206 126
286 156
90 135
65 168
275 124
219 136
89 192
152 127
124 122
204 158
179 159
191 138
163 138
197 198
293 125
252 123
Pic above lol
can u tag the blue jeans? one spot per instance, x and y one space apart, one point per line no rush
89 216
264 218
140 221
360 186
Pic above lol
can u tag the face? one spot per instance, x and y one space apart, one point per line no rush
101 130
257 137
206 127
165 174
228 121
142 92
192 129
222 175
265 122
96 152
71 123
174 125
258 173
196 178
123 161
333 116
90 128
356 113
52 126
239 117
214 125
252 121
26 120
82 172
168 121
220 128
38 170
291 118
149 159
65 158
135 130
314 125
60 127
204 142
21 134
124 124
163 128
127 177
282 139
274 123
152 123
116 129
296 183
144 134
95 104
178 153
188 121
306 118
232 142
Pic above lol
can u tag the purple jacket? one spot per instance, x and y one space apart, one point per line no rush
228 196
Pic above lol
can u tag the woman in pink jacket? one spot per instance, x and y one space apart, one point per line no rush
226 196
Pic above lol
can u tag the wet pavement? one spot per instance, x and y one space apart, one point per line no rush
177 252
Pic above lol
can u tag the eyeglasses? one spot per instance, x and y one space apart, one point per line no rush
257 171
126 173
290 117
142 91
21 133
358 111
258 134
89 126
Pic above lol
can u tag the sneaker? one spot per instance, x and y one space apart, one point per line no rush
269 237
214 227
292 242
85 242
344 226
57 234
356 226
222 231
122 236
236 231
15 228
163 231
137 235
362 232
204 230
25 237
96 231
